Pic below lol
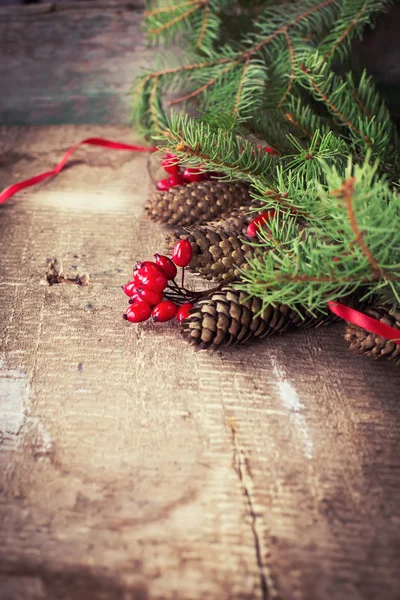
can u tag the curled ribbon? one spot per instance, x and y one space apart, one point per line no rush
361 320
13 189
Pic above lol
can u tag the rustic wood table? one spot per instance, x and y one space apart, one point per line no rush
132 467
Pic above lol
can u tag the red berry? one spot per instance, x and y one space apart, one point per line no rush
270 150
258 222
183 311
135 299
153 281
182 253
147 267
129 288
190 175
166 265
137 313
150 297
166 184
170 165
165 311
176 180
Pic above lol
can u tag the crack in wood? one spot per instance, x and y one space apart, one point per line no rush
55 274
242 468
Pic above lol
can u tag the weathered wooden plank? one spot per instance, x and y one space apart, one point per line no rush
133 467
70 63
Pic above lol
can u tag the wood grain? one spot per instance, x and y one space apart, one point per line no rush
133 467
72 62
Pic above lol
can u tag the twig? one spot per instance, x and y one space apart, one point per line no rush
331 105
241 84
289 117
204 26
158 30
361 105
171 7
346 192
346 32
292 66
201 88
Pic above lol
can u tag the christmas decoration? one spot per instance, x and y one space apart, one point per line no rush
183 312
280 114
138 313
164 185
166 265
278 109
236 220
178 176
164 311
182 253
228 317
216 254
154 291
372 344
111 144
197 202
258 222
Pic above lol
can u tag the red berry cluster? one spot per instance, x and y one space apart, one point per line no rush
153 292
177 175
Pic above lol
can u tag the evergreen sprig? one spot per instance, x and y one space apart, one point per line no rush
355 243
357 110
282 79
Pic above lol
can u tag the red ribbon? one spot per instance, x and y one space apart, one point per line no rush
361 320
13 189
346 313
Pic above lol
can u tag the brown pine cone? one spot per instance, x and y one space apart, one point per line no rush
218 254
371 344
237 219
228 317
197 203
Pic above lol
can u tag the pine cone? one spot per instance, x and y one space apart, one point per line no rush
228 317
237 219
371 344
218 254
197 203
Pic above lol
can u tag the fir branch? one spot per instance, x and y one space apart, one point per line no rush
152 103
230 57
289 117
240 86
346 192
353 17
353 244
310 161
169 8
202 88
204 26
357 98
349 28
199 144
284 28
292 67
329 103
174 21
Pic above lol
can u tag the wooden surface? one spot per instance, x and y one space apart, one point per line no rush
70 62
131 467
